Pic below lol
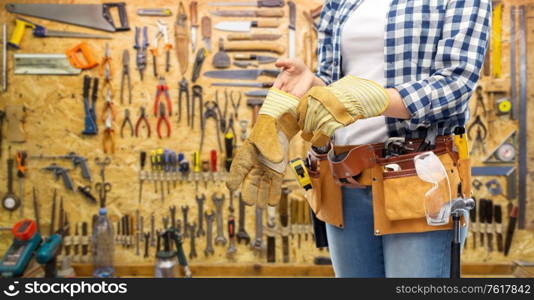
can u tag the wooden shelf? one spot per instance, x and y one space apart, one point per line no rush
279 270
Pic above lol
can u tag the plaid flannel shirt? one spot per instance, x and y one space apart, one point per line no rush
433 51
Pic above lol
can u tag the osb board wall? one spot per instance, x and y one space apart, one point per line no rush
498 129
55 119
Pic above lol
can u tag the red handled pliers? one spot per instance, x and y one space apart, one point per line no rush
142 119
162 88
163 118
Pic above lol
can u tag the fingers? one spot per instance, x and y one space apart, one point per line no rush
251 186
285 63
280 80
275 190
241 166
264 188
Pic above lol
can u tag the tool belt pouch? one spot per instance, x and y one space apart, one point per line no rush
399 194
325 198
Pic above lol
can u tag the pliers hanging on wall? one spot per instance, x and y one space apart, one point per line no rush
128 122
108 107
105 66
162 33
211 112
197 94
235 104
126 73
105 69
163 119
162 88
222 115
142 119
183 89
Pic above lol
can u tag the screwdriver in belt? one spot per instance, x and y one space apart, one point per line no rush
21 175
142 162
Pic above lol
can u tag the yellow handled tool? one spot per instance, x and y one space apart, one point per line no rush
299 168
20 26
460 140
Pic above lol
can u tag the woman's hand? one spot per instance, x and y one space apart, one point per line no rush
296 78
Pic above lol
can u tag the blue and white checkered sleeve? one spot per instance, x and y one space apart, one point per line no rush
326 43
458 60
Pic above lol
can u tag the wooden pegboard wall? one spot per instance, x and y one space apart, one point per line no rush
55 119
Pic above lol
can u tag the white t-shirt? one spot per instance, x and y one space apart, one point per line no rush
362 52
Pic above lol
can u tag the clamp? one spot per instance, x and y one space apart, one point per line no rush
142 119
162 88
163 119
127 121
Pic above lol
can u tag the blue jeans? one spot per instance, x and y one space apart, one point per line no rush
357 252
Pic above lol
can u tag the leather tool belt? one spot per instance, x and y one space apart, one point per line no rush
398 193
348 162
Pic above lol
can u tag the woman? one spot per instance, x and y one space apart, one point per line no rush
398 67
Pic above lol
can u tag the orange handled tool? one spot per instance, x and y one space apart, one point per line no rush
75 60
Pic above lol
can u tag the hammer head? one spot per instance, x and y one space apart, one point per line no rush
255 103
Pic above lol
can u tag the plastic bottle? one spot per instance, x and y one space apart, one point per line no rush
103 246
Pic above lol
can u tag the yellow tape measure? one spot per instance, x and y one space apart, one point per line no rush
504 106
496 41
301 172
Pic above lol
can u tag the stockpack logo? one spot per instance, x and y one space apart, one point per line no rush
12 291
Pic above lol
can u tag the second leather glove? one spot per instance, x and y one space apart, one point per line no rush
324 109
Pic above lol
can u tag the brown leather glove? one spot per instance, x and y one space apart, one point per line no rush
261 161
